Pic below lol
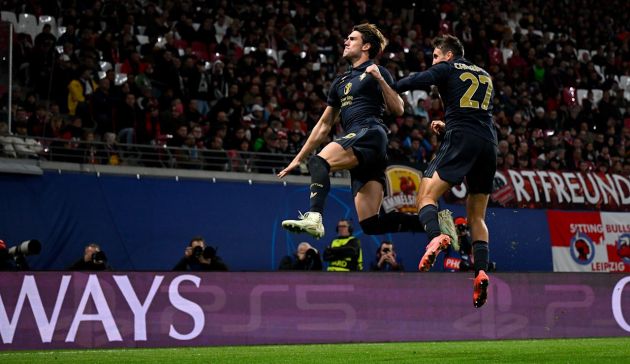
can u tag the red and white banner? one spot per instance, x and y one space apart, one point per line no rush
589 241
556 190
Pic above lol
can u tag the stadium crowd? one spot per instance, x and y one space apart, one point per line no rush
241 76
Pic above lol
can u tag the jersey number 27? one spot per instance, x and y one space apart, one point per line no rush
466 100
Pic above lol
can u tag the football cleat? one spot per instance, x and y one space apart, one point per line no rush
310 223
447 226
480 289
434 248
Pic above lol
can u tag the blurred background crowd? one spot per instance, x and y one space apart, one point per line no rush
222 80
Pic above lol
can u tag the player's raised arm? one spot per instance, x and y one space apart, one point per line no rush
317 136
418 81
393 101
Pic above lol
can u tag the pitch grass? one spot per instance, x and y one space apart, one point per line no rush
600 350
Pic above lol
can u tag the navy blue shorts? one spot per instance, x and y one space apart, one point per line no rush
465 155
370 148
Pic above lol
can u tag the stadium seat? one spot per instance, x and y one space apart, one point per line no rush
418 95
597 95
27 23
598 69
581 95
10 17
180 44
580 54
281 57
507 54
120 79
540 33
273 54
142 39
200 50
27 19
105 66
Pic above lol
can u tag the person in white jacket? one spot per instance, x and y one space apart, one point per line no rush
19 145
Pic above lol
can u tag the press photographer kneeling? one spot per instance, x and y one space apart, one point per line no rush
93 259
199 257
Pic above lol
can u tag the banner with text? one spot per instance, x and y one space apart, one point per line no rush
48 310
589 241
557 190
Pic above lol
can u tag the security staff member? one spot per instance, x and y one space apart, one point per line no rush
344 253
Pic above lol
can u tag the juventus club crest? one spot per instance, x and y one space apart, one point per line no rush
346 89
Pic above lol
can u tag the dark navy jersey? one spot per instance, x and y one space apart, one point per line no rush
359 97
466 92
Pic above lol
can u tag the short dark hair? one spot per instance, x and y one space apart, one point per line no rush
384 242
196 238
372 35
448 43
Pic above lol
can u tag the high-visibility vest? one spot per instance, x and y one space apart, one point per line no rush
347 264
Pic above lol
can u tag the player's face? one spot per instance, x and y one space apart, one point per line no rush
439 56
353 46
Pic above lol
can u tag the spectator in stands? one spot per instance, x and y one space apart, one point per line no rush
20 145
111 151
79 93
386 260
215 156
38 120
545 65
128 118
306 257
94 259
199 257
103 107
6 143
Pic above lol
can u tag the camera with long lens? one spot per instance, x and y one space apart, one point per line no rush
14 258
27 247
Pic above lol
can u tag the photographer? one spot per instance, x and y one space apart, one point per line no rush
6 263
386 259
199 257
94 259
464 263
306 257
14 259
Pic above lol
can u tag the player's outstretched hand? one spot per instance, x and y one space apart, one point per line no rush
374 71
438 126
294 163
